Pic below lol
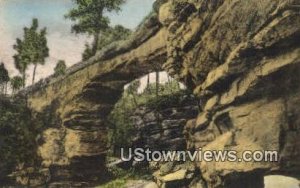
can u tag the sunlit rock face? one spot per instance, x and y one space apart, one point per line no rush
73 143
242 59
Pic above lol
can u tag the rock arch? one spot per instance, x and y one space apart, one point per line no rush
242 60
75 140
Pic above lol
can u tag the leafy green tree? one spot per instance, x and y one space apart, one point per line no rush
21 63
110 35
89 17
88 52
60 68
32 49
113 34
17 136
16 83
4 78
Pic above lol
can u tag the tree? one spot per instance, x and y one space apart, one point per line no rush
148 83
60 68
32 49
88 52
110 35
21 61
18 133
16 83
113 34
157 83
133 89
89 18
4 78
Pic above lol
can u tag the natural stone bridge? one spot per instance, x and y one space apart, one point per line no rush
241 59
81 100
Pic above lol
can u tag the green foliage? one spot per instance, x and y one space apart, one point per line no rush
113 34
121 127
165 101
122 177
17 135
133 87
89 17
119 182
88 52
118 32
110 35
4 79
32 49
60 68
16 83
169 88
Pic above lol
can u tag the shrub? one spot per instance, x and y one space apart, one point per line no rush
17 136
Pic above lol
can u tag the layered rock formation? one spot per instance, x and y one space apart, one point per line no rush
241 59
162 129
74 142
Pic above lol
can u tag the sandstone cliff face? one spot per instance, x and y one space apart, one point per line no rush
241 59
74 142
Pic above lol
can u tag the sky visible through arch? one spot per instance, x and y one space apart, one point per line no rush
15 14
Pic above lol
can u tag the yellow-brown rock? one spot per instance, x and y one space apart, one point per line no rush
241 58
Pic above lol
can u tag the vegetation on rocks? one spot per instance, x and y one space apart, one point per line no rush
121 126
244 70
89 18
107 37
17 136
16 83
121 177
60 68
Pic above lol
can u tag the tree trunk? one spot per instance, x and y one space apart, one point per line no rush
24 78
170 83
148 83
95 43
134 100
157 83
157 111
34 71
1 88
5 90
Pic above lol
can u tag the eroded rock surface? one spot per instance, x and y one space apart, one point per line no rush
162 129
74 142
241 59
